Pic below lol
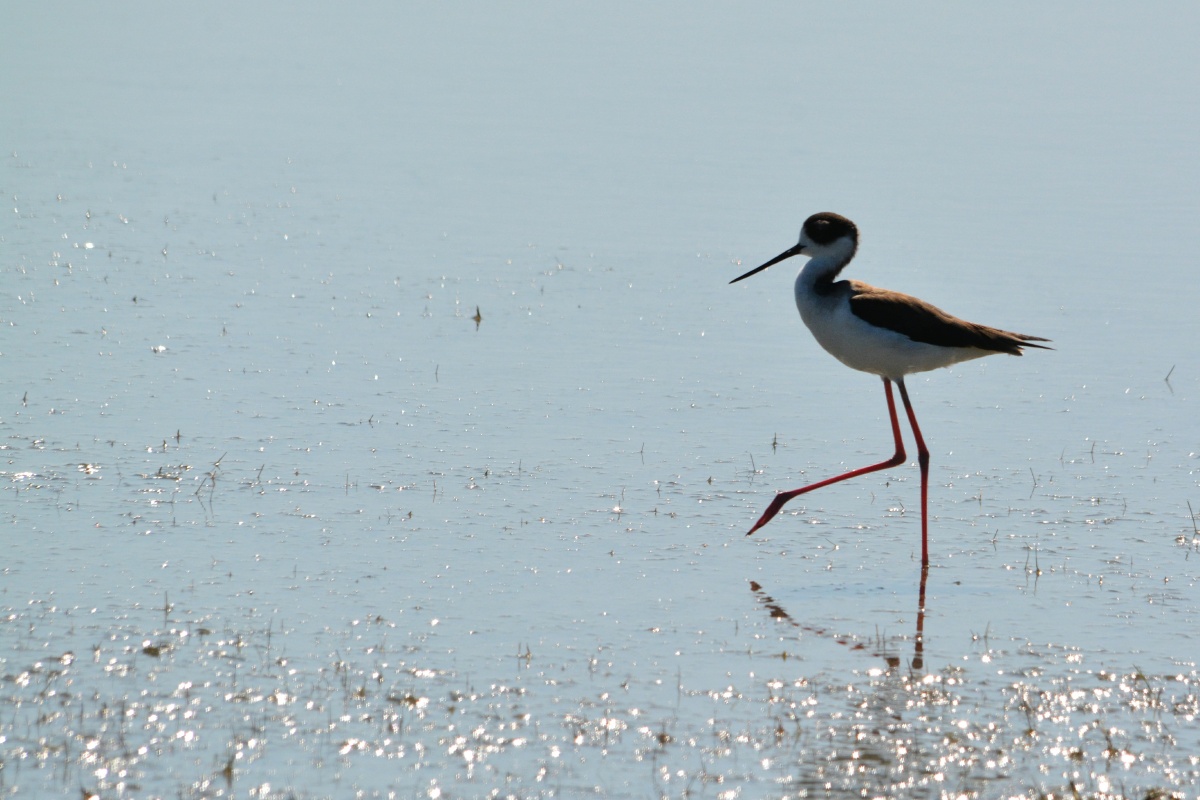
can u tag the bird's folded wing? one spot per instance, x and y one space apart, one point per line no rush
928 324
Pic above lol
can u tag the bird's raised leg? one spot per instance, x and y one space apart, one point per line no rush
783 497
923 460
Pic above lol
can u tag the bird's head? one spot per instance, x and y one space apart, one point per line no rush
823 234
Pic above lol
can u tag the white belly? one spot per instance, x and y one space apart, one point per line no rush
864 347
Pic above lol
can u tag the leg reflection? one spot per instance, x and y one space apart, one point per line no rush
918 662
778 612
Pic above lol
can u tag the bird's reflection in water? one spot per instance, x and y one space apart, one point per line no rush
893 661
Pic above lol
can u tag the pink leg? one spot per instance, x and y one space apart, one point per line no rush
783 497
923 460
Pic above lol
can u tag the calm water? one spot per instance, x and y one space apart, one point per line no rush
377 420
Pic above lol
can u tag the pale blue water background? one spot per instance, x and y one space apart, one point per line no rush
447 559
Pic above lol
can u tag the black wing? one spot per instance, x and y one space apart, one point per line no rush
928 324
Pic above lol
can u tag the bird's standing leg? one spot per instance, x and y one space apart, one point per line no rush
783 497
918 661
923 460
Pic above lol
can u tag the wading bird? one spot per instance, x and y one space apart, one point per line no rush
882 332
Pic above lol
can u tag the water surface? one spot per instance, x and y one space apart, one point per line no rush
378 421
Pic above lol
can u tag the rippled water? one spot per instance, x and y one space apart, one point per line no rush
378 422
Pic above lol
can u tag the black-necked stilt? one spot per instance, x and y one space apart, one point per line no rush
885 333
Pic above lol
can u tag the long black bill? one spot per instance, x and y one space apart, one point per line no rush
794 251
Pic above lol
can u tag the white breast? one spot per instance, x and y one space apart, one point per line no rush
865 347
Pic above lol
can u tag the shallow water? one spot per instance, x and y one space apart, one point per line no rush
379 421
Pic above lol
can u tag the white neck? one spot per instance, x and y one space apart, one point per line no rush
825 263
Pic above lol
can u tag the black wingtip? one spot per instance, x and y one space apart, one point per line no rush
1028 341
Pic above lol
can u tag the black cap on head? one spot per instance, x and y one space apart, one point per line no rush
827 228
